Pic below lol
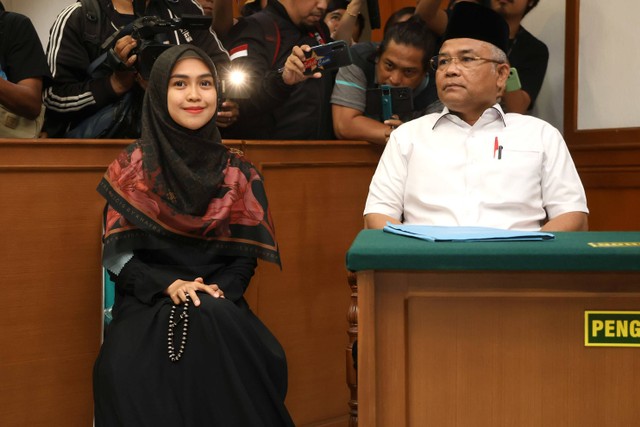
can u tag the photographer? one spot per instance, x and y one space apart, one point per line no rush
401 60
80 95
278 105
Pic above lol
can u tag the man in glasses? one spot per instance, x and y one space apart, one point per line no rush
473 164
525 52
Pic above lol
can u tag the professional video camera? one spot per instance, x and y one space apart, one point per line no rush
146 29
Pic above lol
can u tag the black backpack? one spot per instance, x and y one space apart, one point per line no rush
91 23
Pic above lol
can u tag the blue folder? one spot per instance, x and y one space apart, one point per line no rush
434 233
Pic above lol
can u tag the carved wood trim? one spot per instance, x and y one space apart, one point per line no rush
352 332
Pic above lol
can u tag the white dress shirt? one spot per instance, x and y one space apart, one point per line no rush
508 171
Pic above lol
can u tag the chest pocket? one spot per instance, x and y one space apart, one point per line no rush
513 176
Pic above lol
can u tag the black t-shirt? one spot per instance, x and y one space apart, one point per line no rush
21 53
529 56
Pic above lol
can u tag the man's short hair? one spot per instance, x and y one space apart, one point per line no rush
395 17
413 32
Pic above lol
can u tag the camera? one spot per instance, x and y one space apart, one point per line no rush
147 31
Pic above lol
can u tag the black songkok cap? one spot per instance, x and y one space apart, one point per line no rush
470 20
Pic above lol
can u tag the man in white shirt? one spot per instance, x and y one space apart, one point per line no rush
473 164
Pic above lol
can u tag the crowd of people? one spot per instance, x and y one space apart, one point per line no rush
187 218
100 51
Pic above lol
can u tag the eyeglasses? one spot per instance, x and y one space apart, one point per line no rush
464 61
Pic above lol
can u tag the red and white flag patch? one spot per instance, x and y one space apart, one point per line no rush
239 51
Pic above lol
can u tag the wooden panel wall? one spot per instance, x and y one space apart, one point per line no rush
608 160
611 177
51 276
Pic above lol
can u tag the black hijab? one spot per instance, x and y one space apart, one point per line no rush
180 186
191 160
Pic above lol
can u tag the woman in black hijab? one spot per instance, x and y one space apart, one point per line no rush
186 220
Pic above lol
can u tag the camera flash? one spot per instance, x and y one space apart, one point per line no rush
237 77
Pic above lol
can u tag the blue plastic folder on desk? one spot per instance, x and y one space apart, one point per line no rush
433 233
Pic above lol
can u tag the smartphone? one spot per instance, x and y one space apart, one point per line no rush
385 101
513 82
402 102
327 57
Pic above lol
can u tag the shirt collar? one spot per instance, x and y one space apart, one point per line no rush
490 114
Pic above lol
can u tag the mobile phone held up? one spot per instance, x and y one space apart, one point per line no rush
385 101
327 57
513 82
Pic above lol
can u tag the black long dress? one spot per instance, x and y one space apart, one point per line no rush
233 370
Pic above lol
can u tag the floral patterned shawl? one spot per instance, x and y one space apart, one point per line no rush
175 186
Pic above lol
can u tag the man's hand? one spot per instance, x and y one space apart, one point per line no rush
123 48
393 123
122 81
293 72
228 114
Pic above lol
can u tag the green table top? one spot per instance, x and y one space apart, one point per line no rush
577 251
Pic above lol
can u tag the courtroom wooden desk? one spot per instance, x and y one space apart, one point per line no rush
492 334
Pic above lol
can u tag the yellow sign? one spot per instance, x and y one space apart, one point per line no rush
612 328
614 244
